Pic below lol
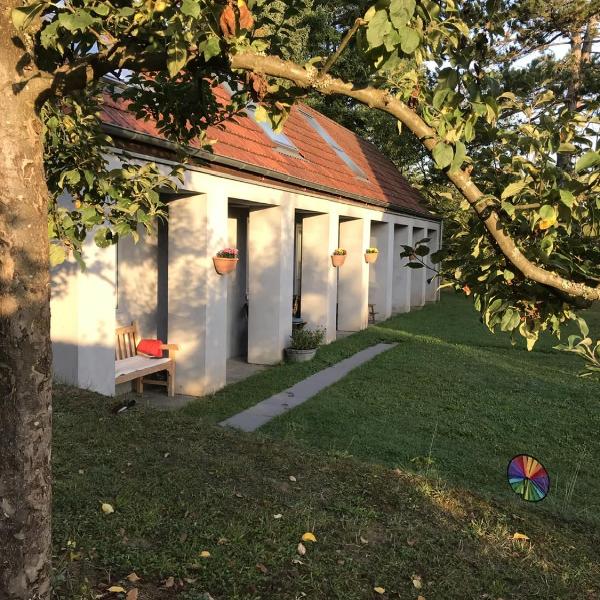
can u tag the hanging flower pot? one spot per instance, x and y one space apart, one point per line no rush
371 255
226 261
338 257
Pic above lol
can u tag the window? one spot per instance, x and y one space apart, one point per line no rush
338 149
282 142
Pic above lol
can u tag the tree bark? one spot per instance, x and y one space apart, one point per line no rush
308 77
25 355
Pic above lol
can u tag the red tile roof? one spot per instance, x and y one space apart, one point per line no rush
244 141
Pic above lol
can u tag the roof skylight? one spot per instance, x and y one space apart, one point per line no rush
282 142
338 149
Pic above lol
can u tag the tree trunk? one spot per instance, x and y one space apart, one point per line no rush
25 355
581 56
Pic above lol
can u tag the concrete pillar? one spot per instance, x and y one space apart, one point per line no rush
319 277
381 273
197 294
270 283
353 276
402 274
83 319
431 292
418 282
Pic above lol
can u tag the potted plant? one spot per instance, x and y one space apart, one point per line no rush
338 257
226 260
371 255
304 344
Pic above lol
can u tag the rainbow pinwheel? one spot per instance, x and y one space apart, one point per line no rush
528 478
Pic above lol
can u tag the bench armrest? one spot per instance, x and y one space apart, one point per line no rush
172 348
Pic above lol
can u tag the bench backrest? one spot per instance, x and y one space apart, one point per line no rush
126 342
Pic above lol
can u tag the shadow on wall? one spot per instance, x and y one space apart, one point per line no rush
83 317
86 366
137 283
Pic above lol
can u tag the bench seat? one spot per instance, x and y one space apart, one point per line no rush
136 364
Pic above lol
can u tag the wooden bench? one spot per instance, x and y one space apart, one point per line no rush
131 366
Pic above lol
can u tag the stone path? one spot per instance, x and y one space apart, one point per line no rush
259 414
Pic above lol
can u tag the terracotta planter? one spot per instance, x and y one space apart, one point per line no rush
337 260
371 257
224 265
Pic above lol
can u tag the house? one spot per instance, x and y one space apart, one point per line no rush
286 201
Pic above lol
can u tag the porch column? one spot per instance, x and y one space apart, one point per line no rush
431 293
319 277
197 294
418 282
270 283
402 274
353 276
381 273
83 319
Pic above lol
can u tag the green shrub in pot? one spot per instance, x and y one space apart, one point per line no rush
304 344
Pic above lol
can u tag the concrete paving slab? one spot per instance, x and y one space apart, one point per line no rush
254 417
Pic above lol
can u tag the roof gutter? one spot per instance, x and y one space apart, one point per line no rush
144 138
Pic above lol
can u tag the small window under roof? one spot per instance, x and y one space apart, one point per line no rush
282 142
338 149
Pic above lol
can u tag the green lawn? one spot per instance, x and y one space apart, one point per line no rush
387 499
457 401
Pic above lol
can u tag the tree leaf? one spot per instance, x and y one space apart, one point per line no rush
57 255
211 47
191 8
567 147
377 28
548 212
309 537
513 189
442 154
401 11
176 56
460 153
589 159
410 39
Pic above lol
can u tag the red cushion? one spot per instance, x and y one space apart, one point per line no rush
150 348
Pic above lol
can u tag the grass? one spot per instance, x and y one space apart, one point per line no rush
452 401
179 485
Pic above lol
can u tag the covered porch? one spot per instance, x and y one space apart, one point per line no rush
225 324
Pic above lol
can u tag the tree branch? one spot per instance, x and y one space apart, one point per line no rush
335 56
77 76
382 100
